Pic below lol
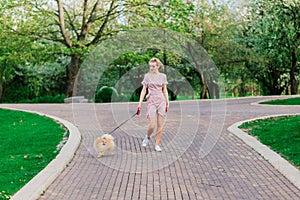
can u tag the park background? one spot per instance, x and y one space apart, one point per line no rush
254 44
43 45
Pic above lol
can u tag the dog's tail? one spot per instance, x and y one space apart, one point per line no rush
108 136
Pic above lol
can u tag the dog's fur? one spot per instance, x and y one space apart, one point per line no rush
104 143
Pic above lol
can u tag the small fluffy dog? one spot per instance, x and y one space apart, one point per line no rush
104 143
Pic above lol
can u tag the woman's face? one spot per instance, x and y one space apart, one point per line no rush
153 67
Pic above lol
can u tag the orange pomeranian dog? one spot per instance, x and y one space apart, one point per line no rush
104 143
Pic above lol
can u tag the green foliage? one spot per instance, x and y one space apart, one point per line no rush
272 34
126 74
173 14
19 49
46 99
280 134
214 25
12 53
105 95
28 143
255 46
38 82
70 29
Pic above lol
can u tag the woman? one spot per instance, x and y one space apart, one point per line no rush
157 100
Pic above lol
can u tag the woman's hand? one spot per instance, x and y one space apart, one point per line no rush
138 109
167 106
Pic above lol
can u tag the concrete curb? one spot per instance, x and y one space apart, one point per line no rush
278 97
283 166
36 186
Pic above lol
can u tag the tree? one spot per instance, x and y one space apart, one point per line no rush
176 15
74 26
13 50
214 26
272 34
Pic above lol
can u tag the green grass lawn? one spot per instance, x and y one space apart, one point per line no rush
28 142
281 134
290 101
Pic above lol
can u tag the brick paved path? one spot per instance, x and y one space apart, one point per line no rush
200 158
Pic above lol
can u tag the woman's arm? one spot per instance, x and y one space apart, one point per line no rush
142 96
166 95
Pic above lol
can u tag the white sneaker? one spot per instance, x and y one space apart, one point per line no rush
145 142
157 148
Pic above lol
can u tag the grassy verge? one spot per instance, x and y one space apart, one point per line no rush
281 134
28 142
290 101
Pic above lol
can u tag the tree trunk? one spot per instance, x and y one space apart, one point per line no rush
204 92
1 84
293 80
165 62
217 91
211 90
72 72
172 95
1 89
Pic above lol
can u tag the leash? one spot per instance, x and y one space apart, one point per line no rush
137 113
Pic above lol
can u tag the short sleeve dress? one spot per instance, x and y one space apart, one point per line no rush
156 102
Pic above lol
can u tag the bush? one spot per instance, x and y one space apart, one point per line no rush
37 83
134 98
47 99
105 95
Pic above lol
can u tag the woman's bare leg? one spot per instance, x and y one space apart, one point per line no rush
159 131
151 127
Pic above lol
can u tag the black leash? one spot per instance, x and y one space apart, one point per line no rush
137 113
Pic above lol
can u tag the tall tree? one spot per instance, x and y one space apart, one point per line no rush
177 15
77 26
14 50
272 33
214 26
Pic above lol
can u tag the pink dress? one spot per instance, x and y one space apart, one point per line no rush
156 101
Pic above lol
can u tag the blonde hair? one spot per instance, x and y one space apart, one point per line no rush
157 61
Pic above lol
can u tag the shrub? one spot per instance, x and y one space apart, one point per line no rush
47 99
105 95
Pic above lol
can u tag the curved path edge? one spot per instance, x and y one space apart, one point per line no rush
38 184
280 164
